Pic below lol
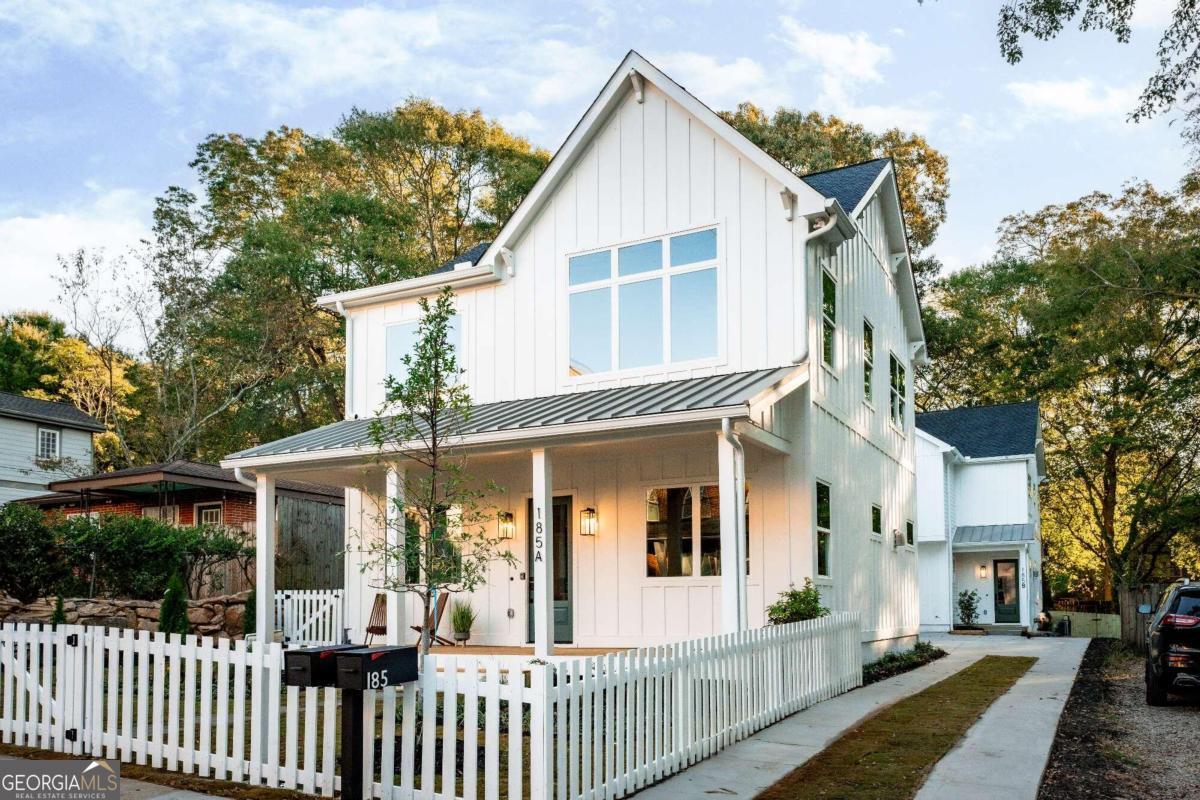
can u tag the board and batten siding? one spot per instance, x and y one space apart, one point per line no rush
20 473
651 170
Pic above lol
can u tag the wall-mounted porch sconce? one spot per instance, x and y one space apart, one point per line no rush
587 522
982 572
508 527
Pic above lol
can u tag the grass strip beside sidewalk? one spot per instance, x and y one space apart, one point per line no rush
889 754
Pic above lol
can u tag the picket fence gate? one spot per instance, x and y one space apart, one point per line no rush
471 727
309 617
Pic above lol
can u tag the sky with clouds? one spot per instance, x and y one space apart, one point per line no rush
103 101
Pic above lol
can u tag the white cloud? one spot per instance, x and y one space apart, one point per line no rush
111 219
1153 13
723 85
1074 100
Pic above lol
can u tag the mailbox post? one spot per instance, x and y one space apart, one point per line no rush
352 669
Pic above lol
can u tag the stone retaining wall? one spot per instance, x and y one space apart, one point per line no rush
212 616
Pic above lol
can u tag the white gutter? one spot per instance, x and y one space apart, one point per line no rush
348 389
832 221
413 287
242 479
739 482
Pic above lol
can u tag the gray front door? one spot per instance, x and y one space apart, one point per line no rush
1008 598
563 633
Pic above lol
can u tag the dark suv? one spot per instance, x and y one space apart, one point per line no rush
1173 643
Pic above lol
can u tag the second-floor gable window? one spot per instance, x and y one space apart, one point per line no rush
899 390
400 339
643 305
828 317
47 444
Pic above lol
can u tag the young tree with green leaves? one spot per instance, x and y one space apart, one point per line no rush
437 535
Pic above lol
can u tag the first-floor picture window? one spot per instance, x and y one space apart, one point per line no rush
683 528
824 528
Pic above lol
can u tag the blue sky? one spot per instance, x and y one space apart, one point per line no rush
103 101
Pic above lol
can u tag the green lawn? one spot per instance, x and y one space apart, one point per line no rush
888 754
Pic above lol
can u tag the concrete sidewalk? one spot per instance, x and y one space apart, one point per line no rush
750 766
1004 754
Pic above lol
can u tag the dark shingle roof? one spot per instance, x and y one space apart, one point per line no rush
180 471
986 431
64 414
473 255
847 184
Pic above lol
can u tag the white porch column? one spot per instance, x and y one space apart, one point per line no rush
395 541
264 558
1023 585
542 568
733 564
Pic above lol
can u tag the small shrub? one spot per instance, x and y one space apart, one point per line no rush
172 616
797 605
248 620
59 617
896 663
968 607
462 617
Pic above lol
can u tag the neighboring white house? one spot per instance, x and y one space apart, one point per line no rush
978 516
669 324
40 442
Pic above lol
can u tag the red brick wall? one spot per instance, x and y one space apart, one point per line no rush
238 507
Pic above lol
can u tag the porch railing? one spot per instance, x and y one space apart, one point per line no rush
470 727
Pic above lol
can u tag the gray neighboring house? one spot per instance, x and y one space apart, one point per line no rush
41 441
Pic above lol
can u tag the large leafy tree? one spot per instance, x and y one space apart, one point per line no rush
810 142
1093 310
26 340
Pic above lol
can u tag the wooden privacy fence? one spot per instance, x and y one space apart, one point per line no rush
491 727
1133 624
309 617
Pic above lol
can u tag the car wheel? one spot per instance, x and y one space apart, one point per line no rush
1156 693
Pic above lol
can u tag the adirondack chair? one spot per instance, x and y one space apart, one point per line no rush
433 620
377 624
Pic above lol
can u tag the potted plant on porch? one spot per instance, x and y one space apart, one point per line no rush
968 614
462 617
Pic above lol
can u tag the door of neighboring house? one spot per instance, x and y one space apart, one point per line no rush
563 632
1008 599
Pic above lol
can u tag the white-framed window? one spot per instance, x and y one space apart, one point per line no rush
644 304
898 388
910 534
169 514
868 361
876 521
401 337
48 444
828 318
683 531
209 513
824 508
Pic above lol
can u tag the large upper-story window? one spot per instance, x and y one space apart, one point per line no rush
645 304
399 340
899 390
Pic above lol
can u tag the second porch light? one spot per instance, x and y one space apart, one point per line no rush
587 522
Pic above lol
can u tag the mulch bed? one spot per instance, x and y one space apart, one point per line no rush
1086 760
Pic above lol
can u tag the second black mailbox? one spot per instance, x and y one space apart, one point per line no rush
376 667
313 666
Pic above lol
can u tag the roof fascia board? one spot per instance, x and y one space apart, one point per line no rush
998 459
984 546
870 193
53 422
412 287
505 436
779 390
808 199
79 484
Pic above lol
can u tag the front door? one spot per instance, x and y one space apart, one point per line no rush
1008 598
562 568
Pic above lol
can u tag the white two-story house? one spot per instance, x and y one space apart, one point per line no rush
978 514
683 357
40 442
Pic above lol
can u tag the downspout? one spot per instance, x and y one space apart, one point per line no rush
349 386
739 487
241 478
825 227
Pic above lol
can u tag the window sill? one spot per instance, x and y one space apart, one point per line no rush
823 580
641 372
828 370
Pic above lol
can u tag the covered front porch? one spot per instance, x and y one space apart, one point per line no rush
1001 563
621 526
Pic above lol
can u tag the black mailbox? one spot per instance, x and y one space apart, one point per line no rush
313 666
367 668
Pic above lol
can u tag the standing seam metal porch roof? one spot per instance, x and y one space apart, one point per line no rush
623 402
994 534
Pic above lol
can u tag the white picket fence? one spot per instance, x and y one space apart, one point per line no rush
309 617
470 727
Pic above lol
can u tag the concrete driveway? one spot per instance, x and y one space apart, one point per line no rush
1003 755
